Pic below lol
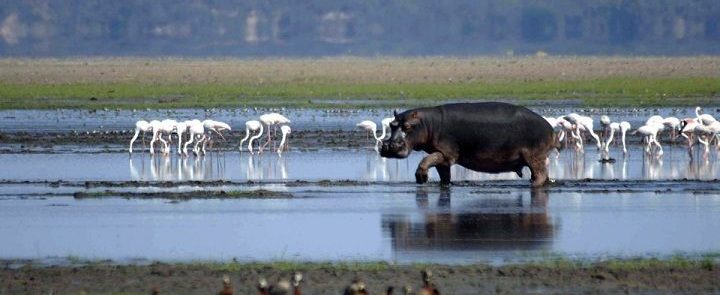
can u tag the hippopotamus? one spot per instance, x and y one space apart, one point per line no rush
491 137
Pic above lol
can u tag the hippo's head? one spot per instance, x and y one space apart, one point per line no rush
407 132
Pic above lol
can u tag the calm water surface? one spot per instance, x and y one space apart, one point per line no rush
401 223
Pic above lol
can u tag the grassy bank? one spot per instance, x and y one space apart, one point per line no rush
558 276
353 82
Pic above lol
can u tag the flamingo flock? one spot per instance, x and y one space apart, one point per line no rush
202 134
703 128
570 130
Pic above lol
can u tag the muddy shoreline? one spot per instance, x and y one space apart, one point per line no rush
678 276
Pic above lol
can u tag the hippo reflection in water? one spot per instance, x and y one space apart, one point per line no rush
489 137
496 222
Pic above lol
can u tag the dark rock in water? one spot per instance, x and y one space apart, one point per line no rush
608 160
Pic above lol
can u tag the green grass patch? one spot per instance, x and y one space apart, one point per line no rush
595 92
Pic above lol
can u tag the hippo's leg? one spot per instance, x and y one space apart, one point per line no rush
444 172
538 169
432 160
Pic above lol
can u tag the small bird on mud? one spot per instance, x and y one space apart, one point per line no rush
281 288
428 286
262 287
407 290
389 290
295 281
356 288
227 287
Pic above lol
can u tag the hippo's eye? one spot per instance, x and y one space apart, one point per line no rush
406 127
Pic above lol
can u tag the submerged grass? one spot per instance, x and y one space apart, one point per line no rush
620 91
187 195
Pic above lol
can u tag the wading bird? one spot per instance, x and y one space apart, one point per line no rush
270 120
624 127
180 129
211 126
371 127
256 136
155 126
649 133
605 124
285 130
140 126
166 126
705 119
197 134
582 123
385 126
674 125
251 126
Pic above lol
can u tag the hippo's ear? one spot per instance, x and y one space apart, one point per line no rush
395 113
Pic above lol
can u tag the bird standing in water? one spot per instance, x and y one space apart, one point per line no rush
371 127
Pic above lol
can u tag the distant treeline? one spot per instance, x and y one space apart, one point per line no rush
370 27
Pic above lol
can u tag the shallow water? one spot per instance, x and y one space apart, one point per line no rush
364 165
401 223
388 218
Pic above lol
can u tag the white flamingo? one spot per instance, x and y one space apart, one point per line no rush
649 133
211 126
156 125
605 124
140 126
654 120
166 126
256 136
196 129
385 126
180 129
624 128
285 130
687 130
704 119
270 120
250 126
583 123
565 126
370 126
621 127
674 125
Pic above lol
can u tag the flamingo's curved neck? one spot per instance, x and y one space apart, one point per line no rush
374 133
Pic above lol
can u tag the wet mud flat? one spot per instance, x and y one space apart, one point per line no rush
118 140
677 276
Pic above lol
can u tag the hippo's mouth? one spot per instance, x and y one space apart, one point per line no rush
394 149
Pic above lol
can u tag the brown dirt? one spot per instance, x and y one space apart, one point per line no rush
694 278
348 69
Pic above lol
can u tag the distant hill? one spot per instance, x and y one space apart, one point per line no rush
57 28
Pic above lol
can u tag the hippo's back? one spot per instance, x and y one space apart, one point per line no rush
494 125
